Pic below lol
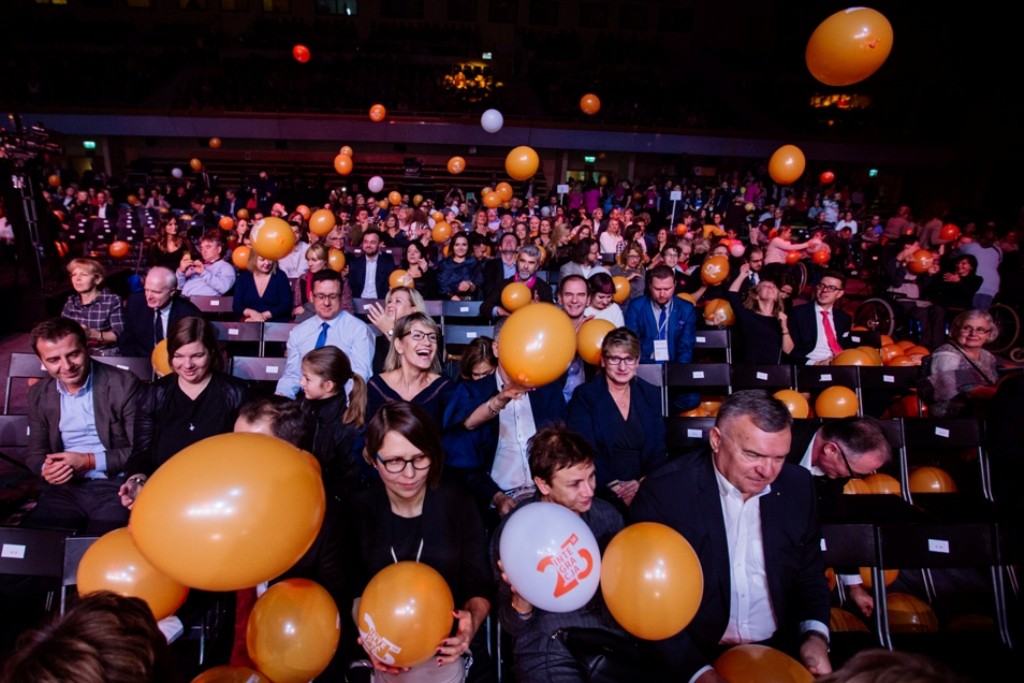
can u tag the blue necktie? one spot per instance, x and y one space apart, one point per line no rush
662 320
321 341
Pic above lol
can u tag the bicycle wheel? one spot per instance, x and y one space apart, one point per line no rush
801 274
1009 328
876 315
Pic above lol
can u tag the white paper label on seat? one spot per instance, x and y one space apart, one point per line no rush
824 546
272 370
215 302
937 546
888 378
701 340
123 367
233 331
13 551
825 378
694 434
761 375
855 340
463 309
366 307
942 431
471 335
698 374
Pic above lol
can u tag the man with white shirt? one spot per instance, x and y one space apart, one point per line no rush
752 519
331 326
151 312
211 276
821 329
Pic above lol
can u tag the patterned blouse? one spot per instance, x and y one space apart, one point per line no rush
104 313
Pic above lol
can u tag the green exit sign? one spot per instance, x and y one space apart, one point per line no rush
89 144
589 159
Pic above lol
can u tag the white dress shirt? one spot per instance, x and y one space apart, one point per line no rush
511 468
821 349
217 279
345 331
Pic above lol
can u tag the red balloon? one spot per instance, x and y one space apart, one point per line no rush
821 256
300 53
792 257
949 232
920 261
377 113
120 249
828 177
590 104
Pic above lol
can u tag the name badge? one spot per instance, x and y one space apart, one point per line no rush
661 350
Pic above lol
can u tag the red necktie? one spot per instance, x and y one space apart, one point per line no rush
830 334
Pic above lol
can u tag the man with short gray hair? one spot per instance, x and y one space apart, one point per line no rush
151 312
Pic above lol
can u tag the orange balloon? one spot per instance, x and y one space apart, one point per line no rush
113 563
883 484
714 270
383 204
491 200
890 351
521 163
231 674
849 46
504 191
590 104
821 256
437 216
274 239
336 260
905 344
441 232
377 113
394 197
916 353
949 232
240 256
888 576
160 359
786 164
931 480
856 487
196 165
321 222
226 223
404 614
753 663
536 344
711 405
590 337
119 249
651 580
343 164
792 257
53 180
211 517
830 576
133 200
900 361
243 214
621 289
920 261
456 165
886 339
719 313
852 357
346 150
872 353
400 278
515 296
842 621
836 401
293 631
795 402
215 143
303 211
686 296
908 614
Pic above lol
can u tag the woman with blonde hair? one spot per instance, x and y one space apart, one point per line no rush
97 311
262 292
762 320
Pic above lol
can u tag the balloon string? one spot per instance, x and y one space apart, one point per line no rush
418 552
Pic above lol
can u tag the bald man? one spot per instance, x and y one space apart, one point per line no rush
151 312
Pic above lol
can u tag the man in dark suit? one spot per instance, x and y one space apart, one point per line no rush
752 520
527 264
81 419
821 329
231 203
372 261
501 267
151 312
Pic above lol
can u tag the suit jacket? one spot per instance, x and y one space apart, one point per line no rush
541 292
494 274
685 495
357 274
681 333
803 325
114 393
137 338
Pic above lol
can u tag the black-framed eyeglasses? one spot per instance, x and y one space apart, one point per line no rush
326 297
398 465
418 336
846 461
628 361
828 288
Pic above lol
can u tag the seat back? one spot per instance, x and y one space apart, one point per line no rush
140 366
74 549
256 369
32 552
714 339
218 305
22 366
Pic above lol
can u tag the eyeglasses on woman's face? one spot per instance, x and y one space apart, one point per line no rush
628 361
399 465
418 336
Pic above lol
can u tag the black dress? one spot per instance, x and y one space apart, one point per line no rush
433 399
761 335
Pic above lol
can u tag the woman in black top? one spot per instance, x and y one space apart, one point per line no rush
761 319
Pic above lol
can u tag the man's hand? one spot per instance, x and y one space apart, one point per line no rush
129 491
862 598
814 655
186 261
504 503
198 267
626 490
60 468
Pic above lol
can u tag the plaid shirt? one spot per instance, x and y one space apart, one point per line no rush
103 314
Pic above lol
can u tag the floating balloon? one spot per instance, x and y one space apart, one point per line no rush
343 164
753 663
921 261
719 313
336 260
274 239
400 278
375 184
114 563
301 53
794 402
53 180
949 232
346 150
522 163
551 557
491 200
590 104
622 287
456 165
492 120
792 257
211 516
119 249
883 484
931 480
651 580
441 232
849 46
303 211
240 256
196 165
242 214
537 344
736 249
215 143
394 198
160 359
908 614
786 164
404 614
821 256
852 357
681 229
515 296
176 172
293 631
714 270
836 401
231 674
226 223
321 222
417 199
377 113
827 178
504 191
590 337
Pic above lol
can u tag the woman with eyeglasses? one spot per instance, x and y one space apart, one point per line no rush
962 374
620 414
412 370
413 516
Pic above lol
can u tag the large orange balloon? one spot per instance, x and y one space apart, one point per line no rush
883 484
240 256
515 296
491 200
621 289
686 296
504 191
908 614
441 232
795 402
920 261
786 164
651 580
226 223
275 238
322 221
890 351
336 260
590 337
212 516
874 354
537 344
114 563
753 663
343 164
521 163
900 360
378 113
852 357
293 631
931 480
400 278
714 270
456 165
849 46
160 359
404 614
303 211
836 401
590 104
719 313
856 487
120 249
231 674
394 197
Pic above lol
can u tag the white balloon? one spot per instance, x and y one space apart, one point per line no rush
376 184
492 120
176 172
737 250
550 556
